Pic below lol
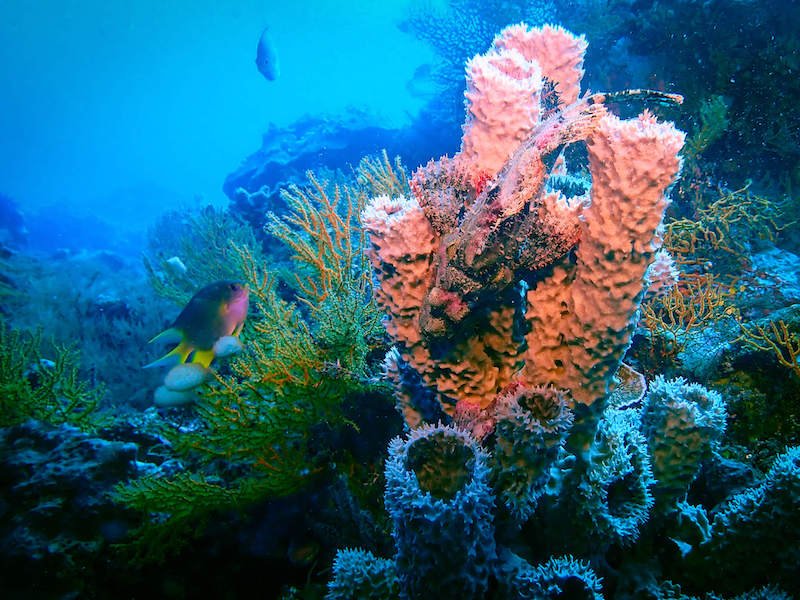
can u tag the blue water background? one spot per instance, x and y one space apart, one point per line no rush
112 112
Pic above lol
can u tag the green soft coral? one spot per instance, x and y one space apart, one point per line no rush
303 363
185 501
204 241
34 387
285 383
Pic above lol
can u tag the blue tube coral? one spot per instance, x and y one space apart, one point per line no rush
532 424
683 423
360 574
615 491
440 503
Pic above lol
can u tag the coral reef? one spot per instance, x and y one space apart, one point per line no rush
13 233
761 134
549 312
98 305
513 307
330 144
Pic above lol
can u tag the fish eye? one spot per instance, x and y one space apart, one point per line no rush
233 286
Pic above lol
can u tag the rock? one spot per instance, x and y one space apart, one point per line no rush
57 512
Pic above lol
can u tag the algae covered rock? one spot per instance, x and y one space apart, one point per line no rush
56 508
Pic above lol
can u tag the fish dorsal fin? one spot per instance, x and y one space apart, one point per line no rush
168 336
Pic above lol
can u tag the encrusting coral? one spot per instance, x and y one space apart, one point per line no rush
511 307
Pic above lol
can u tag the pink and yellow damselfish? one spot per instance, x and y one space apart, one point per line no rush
217 310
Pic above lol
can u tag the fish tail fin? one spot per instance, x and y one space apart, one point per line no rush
203 357
174 357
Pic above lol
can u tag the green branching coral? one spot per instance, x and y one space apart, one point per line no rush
191 249
331 269
321 229
379 176
264 420
262 414
185 501
713 123
34 387
324 232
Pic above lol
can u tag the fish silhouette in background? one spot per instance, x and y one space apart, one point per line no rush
267 57
425 84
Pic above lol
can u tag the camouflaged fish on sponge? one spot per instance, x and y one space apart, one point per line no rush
207 327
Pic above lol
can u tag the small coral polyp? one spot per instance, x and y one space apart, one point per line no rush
450 258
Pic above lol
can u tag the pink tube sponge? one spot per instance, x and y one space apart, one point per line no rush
402 250
502 110
582 317
558 52
628 203
505 89
451 259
